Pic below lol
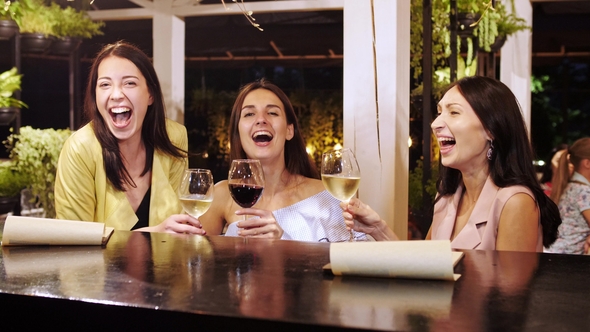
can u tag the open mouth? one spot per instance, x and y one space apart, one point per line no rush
446 142
120 115
262 137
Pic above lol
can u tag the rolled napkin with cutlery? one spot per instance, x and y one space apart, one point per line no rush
43 231
395 259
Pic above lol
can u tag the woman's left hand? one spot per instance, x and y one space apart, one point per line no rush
265 226
177 223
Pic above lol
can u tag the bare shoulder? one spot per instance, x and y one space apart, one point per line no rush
521 207
521 201
311 186
519 224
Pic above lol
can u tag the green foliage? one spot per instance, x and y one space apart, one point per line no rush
493 22
10 81
320 119
210 112
73 23
10 10
37 18
510 23
11 181
35 152
415 185
441 48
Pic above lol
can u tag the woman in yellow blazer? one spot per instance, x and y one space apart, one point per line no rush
123 168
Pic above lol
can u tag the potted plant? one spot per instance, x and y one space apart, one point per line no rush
488 24
36 26
11 184
10 82
9 19
495 25
35 152
71 27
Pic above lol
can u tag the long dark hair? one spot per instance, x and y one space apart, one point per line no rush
153 133
512 158
297 161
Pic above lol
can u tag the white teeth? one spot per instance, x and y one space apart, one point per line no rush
448 139
258 133
118 110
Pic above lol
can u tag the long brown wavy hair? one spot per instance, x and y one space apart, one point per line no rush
153 133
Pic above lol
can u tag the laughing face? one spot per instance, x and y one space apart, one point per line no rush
462 139
263 125
122 97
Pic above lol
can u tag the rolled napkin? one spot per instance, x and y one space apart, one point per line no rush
396 259
42 231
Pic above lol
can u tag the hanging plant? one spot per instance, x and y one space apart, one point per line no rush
37 18
496 23
10 10
73 23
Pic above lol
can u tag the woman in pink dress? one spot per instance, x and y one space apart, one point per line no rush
488 197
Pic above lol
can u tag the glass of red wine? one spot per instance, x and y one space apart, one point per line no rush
246 182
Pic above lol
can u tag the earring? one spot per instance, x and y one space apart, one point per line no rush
490 150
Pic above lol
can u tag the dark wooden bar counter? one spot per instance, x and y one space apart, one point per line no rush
143 281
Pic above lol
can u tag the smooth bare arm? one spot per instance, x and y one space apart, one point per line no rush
519 224
213 221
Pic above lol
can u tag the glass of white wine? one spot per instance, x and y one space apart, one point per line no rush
196 191
341 175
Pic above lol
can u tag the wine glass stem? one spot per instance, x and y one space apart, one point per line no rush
351 238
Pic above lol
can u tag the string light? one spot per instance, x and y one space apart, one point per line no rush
239 3
247 13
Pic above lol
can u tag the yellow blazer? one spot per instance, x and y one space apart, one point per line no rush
82 191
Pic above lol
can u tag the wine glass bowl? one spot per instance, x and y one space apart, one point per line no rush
196 191
246 181
341 175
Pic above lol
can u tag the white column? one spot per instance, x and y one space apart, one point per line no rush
376 102
168 34
515 61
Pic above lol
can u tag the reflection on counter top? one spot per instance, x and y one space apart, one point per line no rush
156 280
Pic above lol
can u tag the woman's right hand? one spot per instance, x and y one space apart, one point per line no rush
361 218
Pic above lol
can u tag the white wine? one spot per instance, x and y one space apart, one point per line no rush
195 205
341 187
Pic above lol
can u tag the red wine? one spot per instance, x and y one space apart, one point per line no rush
245 195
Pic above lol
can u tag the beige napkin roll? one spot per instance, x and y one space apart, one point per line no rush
43 231
395 259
